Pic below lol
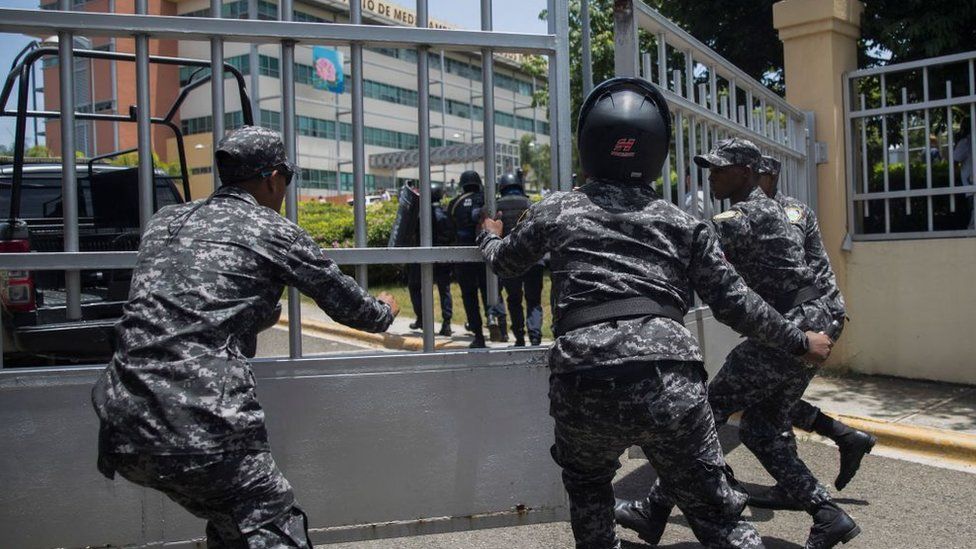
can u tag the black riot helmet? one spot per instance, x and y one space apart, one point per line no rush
470 181
624 131
508 181
436 191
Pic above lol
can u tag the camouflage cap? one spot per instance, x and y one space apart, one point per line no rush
769 165
730 152
245 152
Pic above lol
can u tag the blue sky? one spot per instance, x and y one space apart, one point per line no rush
509 15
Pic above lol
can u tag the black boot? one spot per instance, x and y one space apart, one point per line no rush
535 340
853 446
416 324
646 518
774 497
831 525
520 341
479 341
446 328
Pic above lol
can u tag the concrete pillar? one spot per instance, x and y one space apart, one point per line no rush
819 45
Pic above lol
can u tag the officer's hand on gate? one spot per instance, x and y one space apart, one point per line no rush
493 226
818 347
387 297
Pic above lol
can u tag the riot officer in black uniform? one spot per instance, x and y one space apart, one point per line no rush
512 203
442 234
464 212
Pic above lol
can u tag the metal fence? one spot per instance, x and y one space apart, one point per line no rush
910 151
711 99
287 33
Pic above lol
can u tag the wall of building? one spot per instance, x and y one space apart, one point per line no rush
913 309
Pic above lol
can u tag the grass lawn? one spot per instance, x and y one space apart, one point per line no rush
402 296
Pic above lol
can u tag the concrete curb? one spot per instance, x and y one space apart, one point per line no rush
940 443
385 340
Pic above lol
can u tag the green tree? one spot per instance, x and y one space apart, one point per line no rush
915 29
535 160
38 151
742 32
132 160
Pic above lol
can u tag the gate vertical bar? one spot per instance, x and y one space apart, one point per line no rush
556 183
559 17
358 152
287 13
488 134
144 130
662 61
253 64
216 89
587 45
626 58
69 182
423 130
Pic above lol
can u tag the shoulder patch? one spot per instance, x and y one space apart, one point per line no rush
795 214
726 215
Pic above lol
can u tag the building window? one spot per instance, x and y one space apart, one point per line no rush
271 119
268 66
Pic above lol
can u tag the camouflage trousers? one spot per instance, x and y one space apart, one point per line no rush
244 498
663 410
804 414
765 384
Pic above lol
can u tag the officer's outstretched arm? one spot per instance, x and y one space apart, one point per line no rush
318 277
522 248
731 300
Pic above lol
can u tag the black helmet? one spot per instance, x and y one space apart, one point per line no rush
436 191
470 181
624 131
507 181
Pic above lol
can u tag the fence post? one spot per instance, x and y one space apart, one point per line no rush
819 46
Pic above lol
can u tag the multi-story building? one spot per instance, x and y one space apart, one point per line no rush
323 117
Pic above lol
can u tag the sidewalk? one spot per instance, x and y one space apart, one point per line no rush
897 400
398 337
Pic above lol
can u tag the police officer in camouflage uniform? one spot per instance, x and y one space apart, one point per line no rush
464 211
511 204
852 443
177 403
761 381
625 370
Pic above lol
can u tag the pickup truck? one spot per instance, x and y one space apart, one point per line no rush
34 320
33 313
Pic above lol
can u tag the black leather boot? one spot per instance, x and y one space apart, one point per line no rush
853 446
646 518
831 525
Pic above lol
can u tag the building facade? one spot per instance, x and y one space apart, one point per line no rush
323 117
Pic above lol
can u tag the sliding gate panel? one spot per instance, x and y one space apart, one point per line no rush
461 439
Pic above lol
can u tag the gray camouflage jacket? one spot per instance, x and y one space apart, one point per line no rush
757 238
804 220
208 277
610 241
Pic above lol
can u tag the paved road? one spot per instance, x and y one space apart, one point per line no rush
899 505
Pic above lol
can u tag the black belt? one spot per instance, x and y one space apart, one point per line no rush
801 295
617 310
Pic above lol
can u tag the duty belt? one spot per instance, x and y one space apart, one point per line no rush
798 296
617 310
